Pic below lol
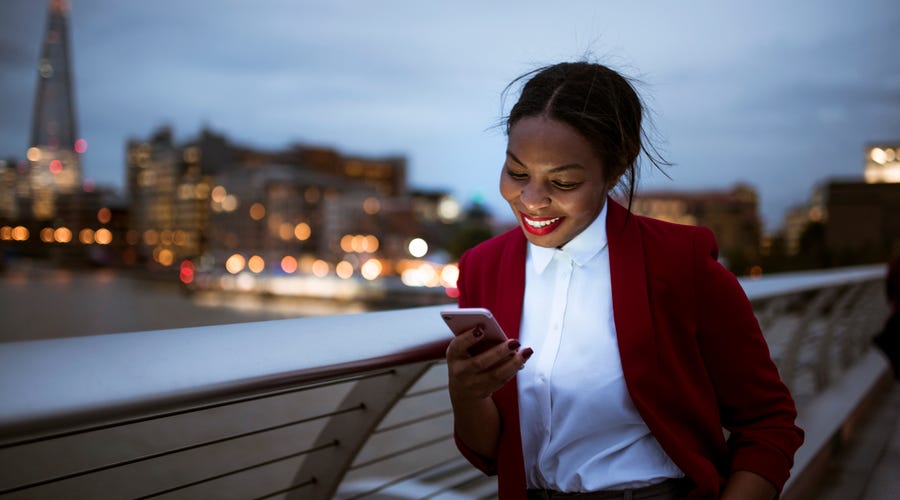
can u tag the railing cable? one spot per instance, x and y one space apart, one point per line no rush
309 482
423 392
419 446
407 423
193 409
242 469
405 477
182 449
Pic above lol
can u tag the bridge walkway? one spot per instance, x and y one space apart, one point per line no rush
867 465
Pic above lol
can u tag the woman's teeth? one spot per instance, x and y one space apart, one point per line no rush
540 223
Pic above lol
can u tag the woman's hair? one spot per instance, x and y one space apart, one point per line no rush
600 104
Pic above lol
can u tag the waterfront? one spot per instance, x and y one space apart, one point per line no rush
39 301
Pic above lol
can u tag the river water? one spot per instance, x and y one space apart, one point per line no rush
39 301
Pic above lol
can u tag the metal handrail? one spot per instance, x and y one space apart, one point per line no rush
84 381
52 389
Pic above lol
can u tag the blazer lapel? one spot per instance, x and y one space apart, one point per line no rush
631 305
508 311
511 285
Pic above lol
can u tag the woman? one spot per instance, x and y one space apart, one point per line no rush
888 339
642 348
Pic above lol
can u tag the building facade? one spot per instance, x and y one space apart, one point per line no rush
228 206
732 215
863 221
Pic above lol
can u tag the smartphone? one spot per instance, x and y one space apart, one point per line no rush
463 319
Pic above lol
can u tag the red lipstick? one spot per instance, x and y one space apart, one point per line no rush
540 226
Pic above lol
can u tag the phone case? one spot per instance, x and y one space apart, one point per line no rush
461 320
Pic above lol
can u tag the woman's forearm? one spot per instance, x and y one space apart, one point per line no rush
477 424
746 485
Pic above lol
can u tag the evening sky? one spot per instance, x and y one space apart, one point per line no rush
780 95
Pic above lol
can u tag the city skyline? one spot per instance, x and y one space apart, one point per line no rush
787 96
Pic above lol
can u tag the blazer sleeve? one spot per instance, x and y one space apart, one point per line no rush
466 299
755 405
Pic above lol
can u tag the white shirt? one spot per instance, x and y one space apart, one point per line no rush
580 430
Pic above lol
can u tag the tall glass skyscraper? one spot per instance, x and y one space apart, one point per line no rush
54 150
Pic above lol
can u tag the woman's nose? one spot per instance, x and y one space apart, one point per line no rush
534 197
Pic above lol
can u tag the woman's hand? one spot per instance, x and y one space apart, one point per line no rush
477 377
472 380
746 485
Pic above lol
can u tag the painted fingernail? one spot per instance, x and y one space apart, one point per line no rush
513 345
478 332
527 353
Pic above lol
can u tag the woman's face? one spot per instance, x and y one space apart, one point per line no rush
553 181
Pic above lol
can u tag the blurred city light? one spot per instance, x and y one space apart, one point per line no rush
186 272
103 236
256 264
320 268
235 263
302 231
418 248
344 269
33 154
20 233
371 269
289 264
86 236
257 211
449 275
62 235
165 257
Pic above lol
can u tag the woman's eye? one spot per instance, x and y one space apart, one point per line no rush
516 175
565 185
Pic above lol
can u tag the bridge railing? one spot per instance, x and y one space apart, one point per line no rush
348 406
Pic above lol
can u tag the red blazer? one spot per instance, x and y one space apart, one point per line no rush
692 353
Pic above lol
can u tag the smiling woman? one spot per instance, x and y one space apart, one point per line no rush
554 183
644 347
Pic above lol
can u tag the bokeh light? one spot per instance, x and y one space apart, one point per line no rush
418 248
320 268
302 231
344 269
256 264
103 236
257 211
86 236
235 263
20 233
289 264
62 235
371 269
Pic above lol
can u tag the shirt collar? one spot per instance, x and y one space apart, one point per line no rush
581 249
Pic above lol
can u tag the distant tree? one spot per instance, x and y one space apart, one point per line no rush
467 236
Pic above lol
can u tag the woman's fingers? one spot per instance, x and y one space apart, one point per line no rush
481 375
461 343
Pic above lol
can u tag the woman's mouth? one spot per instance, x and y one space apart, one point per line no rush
540 225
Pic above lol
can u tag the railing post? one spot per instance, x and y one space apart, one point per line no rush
837 319
349 431
814 310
